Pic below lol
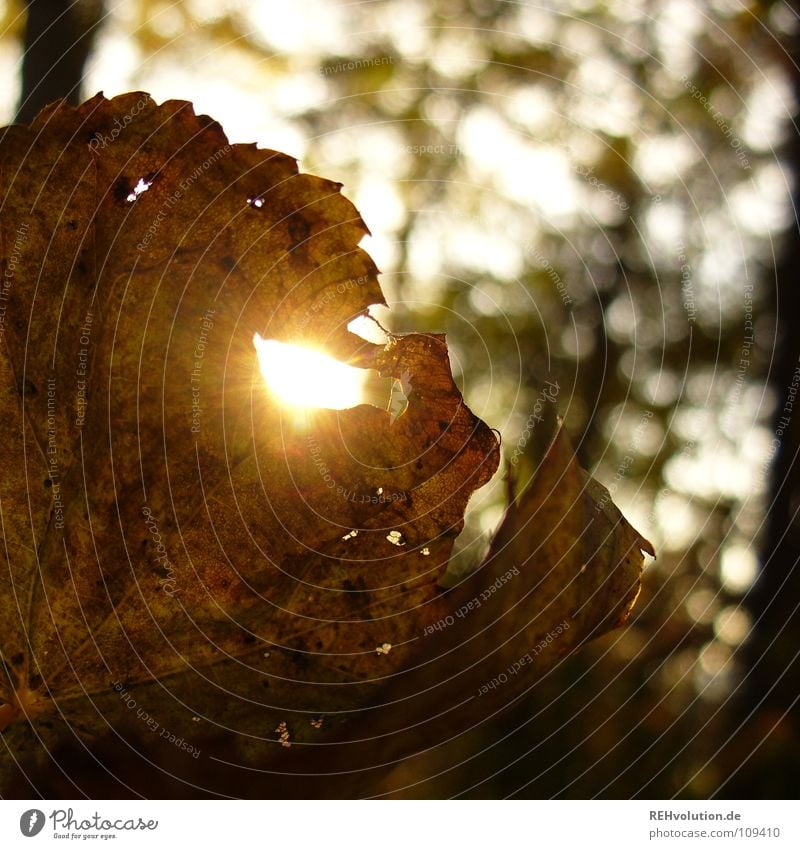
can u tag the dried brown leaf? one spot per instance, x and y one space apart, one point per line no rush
175 542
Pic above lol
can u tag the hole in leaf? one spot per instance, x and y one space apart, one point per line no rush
140 188
395 538
255 203
303 377
401 389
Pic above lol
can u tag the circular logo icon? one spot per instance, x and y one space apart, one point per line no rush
31 822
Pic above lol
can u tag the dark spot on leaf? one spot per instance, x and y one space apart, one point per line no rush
122 188
18 658
299 230
47 483
228 263
26 388
301 660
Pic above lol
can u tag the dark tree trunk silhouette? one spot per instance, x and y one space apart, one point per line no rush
771 690
775 599
58 38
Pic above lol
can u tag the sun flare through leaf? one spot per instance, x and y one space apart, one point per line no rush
302 377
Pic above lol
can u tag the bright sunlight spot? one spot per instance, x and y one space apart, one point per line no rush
303 377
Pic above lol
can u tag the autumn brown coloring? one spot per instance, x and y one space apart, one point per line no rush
242 547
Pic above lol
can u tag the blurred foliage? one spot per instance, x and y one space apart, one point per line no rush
581 192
